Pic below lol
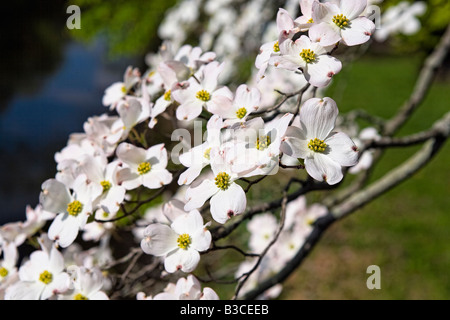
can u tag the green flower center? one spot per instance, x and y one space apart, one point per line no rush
262 142
317 145
308 55
207 153
74 208
144 167
184 240
79 296
223 180
46 277
168 95
106 185
276 47
241 113
341 21
203 95
3 272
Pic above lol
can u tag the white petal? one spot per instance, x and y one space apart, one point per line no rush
184 260
196 196
54 196
318 117
228 203
130 154
320 72
324 34
295 143
189 110
352 8
341 149
322 167
201 240
159 240
64 229
188 223
155 179
360 31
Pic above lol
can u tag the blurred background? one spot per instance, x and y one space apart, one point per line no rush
52 79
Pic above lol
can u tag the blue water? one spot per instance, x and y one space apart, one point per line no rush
34 127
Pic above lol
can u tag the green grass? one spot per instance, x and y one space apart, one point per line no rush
405 231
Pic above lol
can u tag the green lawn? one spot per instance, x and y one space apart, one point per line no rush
406 231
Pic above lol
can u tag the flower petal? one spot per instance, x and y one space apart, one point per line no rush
196 196
360 31
318 117
184 260
228 203
159 240
342 149
321 167
320 72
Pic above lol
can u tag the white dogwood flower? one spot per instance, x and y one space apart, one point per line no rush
145 167
179 243
312 58
325 152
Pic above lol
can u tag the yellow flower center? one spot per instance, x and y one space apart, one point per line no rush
144 167
123 89
241 113
317 145
262 142
207 153
3 272
203 95
184 240
223 180
46 277
79 296
310 20
168 95
276 47
308 55
341 21
74 208
106 185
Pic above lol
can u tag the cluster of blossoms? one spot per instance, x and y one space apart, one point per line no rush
112 164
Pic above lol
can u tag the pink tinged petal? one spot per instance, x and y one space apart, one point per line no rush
54 196
130 154
285 23
189 110
228 203
324 34
352 8
196 196
323 168
341 149
129 180
318 117
129 112
287 62
320 72
159 240
360 31
184 260
220 104
295 143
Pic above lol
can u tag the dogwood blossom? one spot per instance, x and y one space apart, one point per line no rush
227 197
72 208
324 152
310 57
179 243
145 167
342 21
86 284
41 277
202 92
118 90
